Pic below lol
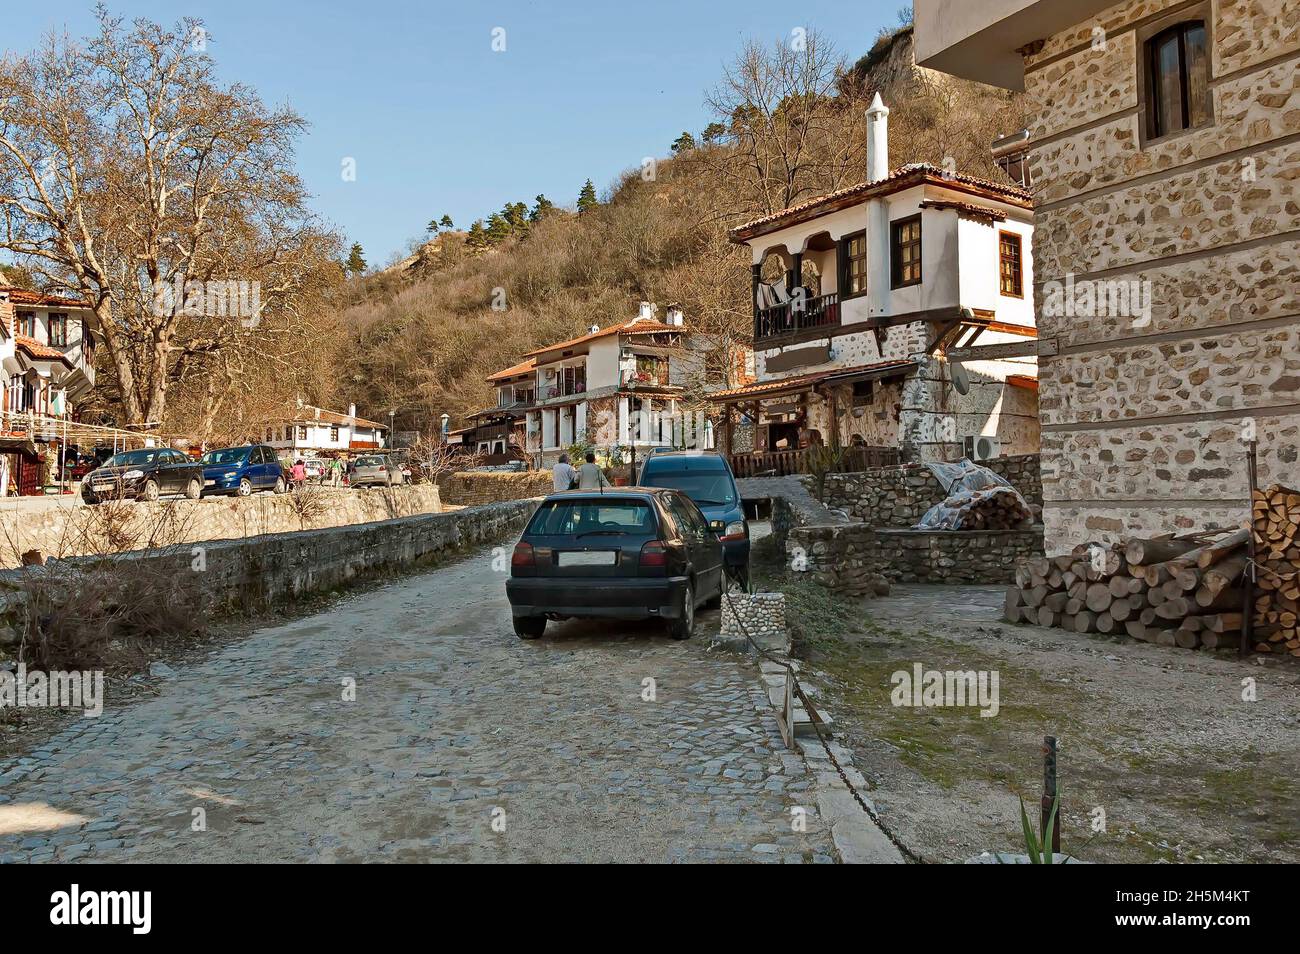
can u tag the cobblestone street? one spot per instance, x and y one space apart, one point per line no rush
455 722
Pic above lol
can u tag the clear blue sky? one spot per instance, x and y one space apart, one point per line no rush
439 123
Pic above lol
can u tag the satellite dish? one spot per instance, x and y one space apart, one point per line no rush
960 379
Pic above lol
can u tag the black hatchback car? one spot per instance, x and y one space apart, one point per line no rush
635 553
143 475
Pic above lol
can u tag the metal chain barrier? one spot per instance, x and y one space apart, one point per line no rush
907 852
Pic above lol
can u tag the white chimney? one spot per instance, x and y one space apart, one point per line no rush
352 410
877 140
593 329
647 311
675 315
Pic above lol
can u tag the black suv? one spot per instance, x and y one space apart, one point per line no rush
144 475
629 554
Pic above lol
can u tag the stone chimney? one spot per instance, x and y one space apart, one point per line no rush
877 140
6 313
675 315
352 411
646 312
593 329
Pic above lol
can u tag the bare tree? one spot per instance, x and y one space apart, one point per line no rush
125 168
778 106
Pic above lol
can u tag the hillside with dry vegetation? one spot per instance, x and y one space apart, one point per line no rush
420 337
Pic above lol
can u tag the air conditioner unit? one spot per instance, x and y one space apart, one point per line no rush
982 448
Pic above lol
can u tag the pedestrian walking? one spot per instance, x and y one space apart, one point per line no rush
564 476
591 477
299 473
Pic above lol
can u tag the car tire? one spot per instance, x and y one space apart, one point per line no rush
194 489
530 627
279 486
245 487
149 491
684 624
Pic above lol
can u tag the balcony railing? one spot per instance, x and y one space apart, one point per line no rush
795 315
557 390
782 463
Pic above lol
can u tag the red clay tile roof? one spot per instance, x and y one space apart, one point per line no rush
905 177
633 327
41 352
521 368
799 381
968 209
23 296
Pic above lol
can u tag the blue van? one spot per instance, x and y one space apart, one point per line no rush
705 477
242 470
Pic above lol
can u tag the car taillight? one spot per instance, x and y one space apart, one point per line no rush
523 555
654 553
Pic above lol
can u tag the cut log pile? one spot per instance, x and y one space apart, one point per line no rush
1175 591
1275 519
993 508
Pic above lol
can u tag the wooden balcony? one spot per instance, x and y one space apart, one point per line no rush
782 463
795 316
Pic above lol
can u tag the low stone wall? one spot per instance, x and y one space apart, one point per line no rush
851 557
900 496
74 529
761 615
237 575
471 488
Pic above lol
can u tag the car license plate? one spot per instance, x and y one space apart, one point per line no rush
586 558
209 483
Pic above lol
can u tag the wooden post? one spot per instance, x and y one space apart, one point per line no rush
1248 576
1049 793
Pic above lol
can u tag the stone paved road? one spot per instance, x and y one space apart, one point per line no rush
454 717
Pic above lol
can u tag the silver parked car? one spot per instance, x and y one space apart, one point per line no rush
376 470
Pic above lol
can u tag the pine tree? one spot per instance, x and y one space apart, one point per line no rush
445 222
498 228
587 198
477 237
356 261
541 209
683 143
712 133
516 216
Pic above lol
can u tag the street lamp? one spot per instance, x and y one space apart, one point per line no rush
391 441
446 425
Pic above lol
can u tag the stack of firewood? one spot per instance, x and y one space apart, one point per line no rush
1275 516
1183 591
993 508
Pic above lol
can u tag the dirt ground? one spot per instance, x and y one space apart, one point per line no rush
1155 743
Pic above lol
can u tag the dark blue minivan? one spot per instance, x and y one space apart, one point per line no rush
242 470
705 477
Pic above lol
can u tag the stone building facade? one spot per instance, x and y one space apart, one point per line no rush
1167 246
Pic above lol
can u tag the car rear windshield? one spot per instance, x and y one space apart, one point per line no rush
132 458
606 518
230 455
370 462
705 487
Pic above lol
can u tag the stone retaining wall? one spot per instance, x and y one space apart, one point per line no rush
238 575
899 496
471 488
851 557
69 528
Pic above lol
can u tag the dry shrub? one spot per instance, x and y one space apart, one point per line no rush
309 502
86 616
113 604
